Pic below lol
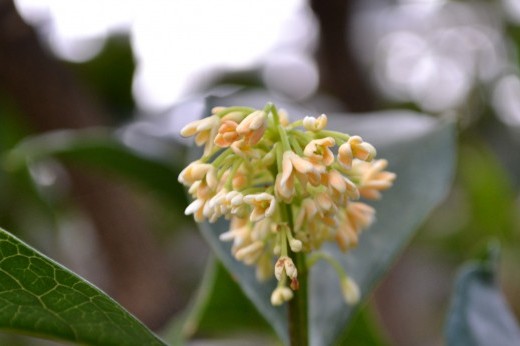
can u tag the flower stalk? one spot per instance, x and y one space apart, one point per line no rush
298 307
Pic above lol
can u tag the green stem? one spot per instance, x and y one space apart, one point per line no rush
343 137
295 124
304 137
245 110
234 169
297 148
219 159
315 257
281 130
272 108
298 318
284 138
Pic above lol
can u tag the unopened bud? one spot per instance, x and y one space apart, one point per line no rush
315 124
280 295
350 290
296 245
285 264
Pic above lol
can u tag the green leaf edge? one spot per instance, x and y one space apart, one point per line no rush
135 334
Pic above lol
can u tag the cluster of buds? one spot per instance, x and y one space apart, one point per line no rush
285 187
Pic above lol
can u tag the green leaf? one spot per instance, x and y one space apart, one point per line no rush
421 150
182 328
218 309
363 330
227 309
40 297
479 315
102 149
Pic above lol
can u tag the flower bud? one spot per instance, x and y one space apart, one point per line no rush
280 295
315 124
360 149
285 264
350 290
296 245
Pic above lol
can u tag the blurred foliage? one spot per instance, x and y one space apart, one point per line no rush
479 314
103 150
364 330
20 200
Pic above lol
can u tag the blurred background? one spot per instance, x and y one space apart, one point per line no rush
126 64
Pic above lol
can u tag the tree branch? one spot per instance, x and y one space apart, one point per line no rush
340 73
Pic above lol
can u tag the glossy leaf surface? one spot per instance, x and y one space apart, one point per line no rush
40 297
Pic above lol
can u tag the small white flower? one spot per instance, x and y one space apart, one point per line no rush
196 208
355 148
250 253
296 245
234 116
263 205
245 150
264 268
361 150
285 265
315 124
227 134
238 228
308 211
202 129
324 202
281 295
373 178
319 153
360 214
350 290
252 128
196 171
292 165
340 187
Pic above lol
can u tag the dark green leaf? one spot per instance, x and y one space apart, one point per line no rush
218 309
227 309
184 327
363 330
40 297
479 315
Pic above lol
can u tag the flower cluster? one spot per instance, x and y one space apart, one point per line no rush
285 187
